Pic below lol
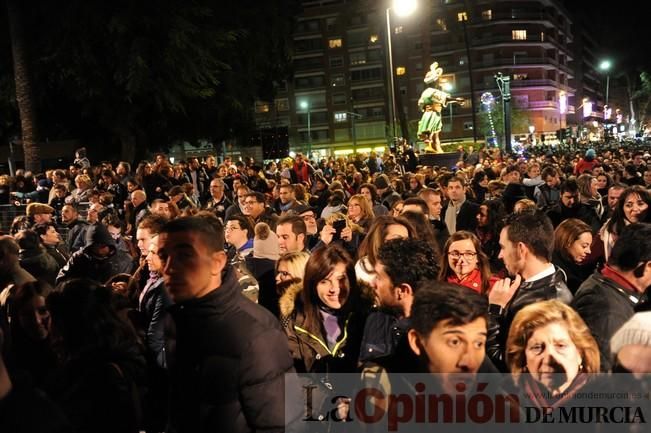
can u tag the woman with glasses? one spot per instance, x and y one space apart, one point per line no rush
464 263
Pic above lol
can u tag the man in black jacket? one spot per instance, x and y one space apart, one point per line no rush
459 213
526 249
76 237
569 206
231 354
607 299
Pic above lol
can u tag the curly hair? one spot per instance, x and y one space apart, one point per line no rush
408 261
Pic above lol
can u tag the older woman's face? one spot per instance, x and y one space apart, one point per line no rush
551 356
635 208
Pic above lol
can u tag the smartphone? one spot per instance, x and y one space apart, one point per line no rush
338 225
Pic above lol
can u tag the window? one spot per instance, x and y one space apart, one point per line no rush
463 60
397 30
334 43
309 82
331 23
307 45
307 26
520 77
373 39
462 16
519 35
370 130
418 66
261 107
336 62
366 75
308 63
487 15
467 126
401 70
441 24
282 104
342 134
337 80
358 58
338 99
418 45
368 93
315 100
317 135
341 116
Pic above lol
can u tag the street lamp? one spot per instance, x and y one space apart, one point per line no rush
605 66
306 106
401 8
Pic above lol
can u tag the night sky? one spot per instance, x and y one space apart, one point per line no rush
621 27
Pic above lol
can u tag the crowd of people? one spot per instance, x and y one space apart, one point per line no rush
184 292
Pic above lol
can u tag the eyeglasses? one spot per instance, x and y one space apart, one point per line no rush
466 255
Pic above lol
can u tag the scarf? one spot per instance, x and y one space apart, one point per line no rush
541 396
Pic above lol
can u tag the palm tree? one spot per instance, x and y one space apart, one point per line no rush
24 89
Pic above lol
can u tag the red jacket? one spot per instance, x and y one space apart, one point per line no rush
472 281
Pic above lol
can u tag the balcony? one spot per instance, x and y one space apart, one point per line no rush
543 104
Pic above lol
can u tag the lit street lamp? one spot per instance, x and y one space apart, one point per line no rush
401 8
306 106
605 66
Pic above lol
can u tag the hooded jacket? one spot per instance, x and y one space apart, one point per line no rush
85 264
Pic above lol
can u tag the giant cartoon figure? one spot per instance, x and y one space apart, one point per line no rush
431 103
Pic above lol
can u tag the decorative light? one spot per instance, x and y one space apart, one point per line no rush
587 108
562 102
402 8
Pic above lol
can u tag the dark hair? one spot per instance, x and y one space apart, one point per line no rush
437 301
112 220
83 315
618 220
408 261
245 224
319 265
23 294
424 230
208 226
42 228
548 171
569 186
631 247
496 214
28 240
482 259
259 197
298 225
535 230
419 202
372 189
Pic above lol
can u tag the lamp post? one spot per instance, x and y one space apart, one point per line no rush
352 122
605 66
306 106
401 8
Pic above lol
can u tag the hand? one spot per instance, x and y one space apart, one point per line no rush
326 233
503 291
347 234
119 287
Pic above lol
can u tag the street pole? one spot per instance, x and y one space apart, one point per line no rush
309 134
504 84
352 122
392 104
607 87
472 85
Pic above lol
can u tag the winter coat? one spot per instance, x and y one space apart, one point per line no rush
310 351
39 263
153 306
84 264
231 360
76 237
500 319
604 305
575 274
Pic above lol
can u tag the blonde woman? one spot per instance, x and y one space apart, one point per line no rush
360 211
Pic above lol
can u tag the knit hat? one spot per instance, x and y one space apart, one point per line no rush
38 208
590 154
636 331
265 243
381 182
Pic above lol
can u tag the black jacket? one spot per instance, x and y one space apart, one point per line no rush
604 306
84 264
231 357
467 216
39 263
76 237
153 307
499 322
575 274
559 213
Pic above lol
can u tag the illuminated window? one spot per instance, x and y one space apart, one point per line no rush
400 70
397 30
334 43
440 22
520 76
341 116
373 39
462 16
542 36
261 107
487 14
519 35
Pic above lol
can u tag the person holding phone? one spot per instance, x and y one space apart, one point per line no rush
341 230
